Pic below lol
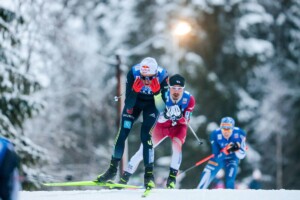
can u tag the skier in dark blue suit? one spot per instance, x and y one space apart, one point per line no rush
146 82
9 179
228 147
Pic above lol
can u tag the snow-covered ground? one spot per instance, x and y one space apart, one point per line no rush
158 194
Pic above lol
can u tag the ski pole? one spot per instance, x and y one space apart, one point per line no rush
203 160
197 164
199 141
116 98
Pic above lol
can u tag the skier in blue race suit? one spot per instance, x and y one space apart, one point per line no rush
9 178
228 147
146 82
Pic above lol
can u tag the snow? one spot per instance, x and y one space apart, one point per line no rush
191 194
254 18
253 46
8 5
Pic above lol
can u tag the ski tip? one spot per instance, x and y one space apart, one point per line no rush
146 192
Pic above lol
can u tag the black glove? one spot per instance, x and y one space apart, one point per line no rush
174 113
167 114
234 147
177 112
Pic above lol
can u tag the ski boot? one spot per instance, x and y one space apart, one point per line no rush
149 178
110 173
171 181
125 178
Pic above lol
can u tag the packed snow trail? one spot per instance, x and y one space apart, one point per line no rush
158 194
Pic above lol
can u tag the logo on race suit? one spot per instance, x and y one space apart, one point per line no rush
184 100
236 135
149 142
187 115
130 166
213 163
219 137
129 111
152 115
127 124
145 69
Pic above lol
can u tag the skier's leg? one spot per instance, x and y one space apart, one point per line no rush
157 138
135 160
150 115
124 130
175 162
178 135
209 173
231 168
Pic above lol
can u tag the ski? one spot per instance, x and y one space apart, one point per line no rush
147 192
110 185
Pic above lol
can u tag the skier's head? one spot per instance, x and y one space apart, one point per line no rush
226 126
148 70
176 84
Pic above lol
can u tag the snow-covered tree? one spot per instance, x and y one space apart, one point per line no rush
17 87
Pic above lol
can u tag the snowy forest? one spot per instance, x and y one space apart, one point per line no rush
59 77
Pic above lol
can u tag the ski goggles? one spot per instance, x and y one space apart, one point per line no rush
148 78
177 88
226 126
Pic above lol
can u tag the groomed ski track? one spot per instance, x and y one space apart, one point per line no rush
162 194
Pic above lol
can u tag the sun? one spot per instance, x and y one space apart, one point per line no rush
182 28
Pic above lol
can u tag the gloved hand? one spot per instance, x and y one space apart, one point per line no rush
231 147
167 113
234 147
177 112
155 86
137 85
174 113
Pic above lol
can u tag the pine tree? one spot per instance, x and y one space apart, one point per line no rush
16 90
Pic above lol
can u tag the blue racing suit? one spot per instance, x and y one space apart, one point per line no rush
221 159
9 184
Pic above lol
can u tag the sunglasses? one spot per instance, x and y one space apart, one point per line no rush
148 78
177 88
226 128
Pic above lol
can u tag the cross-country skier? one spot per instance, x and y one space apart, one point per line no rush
228 147
9 178
171 123
146 82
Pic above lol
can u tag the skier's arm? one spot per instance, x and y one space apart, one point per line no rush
131 96
187 113
160 97
214 145
241 153
164 86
